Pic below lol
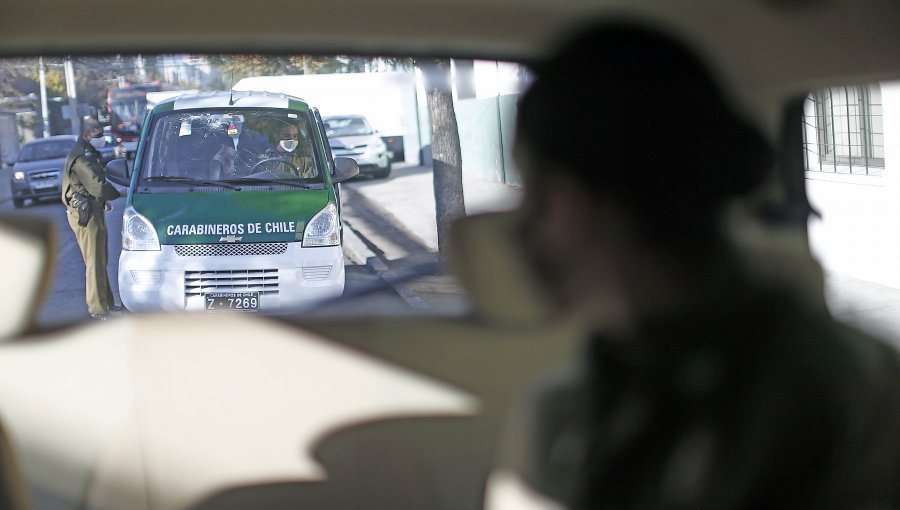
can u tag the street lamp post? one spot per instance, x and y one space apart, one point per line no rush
45 116
73 96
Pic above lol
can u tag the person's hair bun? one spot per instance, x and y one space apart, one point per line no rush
635 113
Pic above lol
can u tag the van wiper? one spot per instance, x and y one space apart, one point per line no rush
190 180
259 180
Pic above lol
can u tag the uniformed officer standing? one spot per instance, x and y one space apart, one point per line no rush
84 187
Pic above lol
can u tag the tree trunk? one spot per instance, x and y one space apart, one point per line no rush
445 148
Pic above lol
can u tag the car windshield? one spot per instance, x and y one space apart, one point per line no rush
230 145
347 126
36 151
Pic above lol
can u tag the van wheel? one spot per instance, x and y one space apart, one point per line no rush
18 203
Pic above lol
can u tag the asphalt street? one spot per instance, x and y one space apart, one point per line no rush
66 303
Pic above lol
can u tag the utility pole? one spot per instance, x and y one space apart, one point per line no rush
44 114
73 97
139 68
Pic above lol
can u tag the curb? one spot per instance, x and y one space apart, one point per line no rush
357 250
354 247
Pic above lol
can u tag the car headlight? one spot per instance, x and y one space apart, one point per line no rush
323 229
378 146
19 176
138 233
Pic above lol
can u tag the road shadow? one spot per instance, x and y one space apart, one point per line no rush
366 218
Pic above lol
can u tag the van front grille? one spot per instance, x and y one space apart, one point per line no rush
229 250
264 281
52 174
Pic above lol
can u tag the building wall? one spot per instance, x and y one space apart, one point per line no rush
486 130
859 232
479 137
486 116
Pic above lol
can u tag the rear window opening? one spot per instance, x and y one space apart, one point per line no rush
851 162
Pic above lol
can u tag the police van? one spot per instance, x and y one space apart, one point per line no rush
233 204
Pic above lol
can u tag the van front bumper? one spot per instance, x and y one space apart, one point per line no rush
178 278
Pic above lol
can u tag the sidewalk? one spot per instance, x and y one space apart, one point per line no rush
407 199
396 217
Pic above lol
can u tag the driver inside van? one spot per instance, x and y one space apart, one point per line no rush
290 150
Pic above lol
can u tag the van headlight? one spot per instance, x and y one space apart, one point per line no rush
138 233
19 176
323 229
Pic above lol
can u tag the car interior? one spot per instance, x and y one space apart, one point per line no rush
194 411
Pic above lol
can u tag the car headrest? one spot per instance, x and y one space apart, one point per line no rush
28 248
486 257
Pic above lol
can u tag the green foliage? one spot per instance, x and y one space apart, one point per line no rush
244 66
93 76
54 78
15 77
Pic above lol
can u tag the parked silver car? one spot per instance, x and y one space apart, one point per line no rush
352 136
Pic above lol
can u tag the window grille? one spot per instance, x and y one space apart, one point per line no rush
844 130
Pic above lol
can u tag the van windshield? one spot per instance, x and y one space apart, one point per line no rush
230 146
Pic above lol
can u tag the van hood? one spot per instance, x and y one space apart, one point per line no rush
241 217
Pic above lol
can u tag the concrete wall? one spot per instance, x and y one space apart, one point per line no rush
486 121
479 136
859 233
508 110
486 128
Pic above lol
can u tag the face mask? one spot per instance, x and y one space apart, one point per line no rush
288 145
98 143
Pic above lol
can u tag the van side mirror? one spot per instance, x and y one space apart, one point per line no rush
117 172
344 168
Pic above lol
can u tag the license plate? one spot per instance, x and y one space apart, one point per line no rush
44 185
240 301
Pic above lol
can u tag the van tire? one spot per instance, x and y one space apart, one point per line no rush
18 203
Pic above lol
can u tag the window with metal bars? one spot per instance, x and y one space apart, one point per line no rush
844 130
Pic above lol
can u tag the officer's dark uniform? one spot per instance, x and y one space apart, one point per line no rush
84 175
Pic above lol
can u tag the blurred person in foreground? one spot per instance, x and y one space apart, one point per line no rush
703 386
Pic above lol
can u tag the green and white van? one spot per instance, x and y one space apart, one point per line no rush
233 203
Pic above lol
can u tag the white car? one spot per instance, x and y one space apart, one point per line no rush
352 136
